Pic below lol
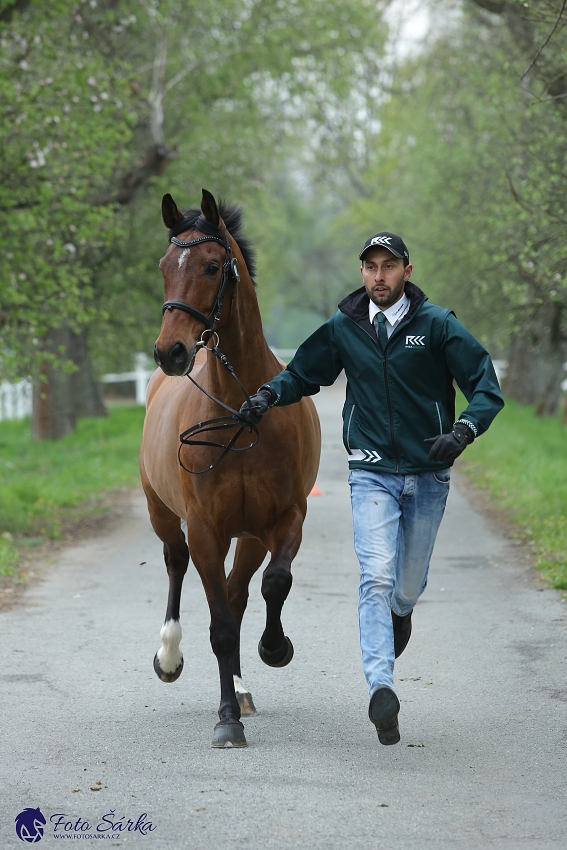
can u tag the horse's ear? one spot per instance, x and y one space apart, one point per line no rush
170 214
209 208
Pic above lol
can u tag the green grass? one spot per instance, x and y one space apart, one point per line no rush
522 462
42 483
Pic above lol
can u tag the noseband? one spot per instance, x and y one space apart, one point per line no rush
229 272
221 423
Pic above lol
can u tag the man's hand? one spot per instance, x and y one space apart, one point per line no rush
259 403
448 447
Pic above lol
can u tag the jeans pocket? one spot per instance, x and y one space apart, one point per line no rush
442 476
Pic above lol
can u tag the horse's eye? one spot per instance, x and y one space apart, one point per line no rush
212 268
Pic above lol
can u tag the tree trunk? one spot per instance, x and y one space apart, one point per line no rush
87 391
535 364
59 398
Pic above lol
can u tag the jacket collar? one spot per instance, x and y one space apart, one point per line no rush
355 305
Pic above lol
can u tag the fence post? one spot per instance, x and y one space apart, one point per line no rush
142 377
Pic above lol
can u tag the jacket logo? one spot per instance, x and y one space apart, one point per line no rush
414 341
381 240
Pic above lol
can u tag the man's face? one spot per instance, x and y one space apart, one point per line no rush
384 276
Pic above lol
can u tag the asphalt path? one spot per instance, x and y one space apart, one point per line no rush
482 684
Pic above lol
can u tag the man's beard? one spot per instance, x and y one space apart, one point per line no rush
386 299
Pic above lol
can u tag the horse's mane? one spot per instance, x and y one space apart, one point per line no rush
232 217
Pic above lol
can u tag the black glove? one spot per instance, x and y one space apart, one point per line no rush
448 447
253 410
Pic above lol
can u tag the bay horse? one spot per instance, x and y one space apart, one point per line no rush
258 495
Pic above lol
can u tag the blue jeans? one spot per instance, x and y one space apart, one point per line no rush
395 520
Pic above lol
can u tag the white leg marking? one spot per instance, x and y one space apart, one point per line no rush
169 655
239 686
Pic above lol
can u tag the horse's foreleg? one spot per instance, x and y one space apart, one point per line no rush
168 660
275 648
208 552
247 559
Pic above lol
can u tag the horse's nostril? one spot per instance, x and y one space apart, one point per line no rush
157 358
179 353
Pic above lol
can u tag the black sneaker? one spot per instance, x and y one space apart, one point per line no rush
383 712
402 632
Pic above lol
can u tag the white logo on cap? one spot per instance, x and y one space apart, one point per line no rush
381 240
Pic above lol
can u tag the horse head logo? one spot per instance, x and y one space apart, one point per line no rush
29 825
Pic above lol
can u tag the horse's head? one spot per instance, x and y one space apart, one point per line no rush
194 275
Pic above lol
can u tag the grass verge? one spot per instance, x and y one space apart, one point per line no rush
522 463
44 484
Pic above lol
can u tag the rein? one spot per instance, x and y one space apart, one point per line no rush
220 423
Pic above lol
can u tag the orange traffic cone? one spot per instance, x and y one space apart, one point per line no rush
315 491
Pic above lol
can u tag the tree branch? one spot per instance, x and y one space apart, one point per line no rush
546 42
7 13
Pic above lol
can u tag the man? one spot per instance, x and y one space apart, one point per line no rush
400 354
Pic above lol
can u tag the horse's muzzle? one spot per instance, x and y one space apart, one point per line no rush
177 361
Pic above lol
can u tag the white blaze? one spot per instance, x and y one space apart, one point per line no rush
182 256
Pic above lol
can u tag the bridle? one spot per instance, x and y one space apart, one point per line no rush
229 273
211 322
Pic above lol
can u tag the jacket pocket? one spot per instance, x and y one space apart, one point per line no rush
348 414
438 419
442 476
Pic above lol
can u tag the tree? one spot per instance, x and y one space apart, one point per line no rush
470 168
91 123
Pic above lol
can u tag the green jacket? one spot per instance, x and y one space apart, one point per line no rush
396 399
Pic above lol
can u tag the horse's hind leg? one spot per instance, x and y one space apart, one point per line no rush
248 558
275 649
168 660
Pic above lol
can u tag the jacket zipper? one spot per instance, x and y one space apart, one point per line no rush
439 417
390 412
348 429
388 400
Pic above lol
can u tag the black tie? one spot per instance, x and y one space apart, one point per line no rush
380 325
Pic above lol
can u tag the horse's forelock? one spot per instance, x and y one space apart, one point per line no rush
231 214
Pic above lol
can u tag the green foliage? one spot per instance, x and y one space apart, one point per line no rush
102 97
8 557
64 130
470 168
307 260
522 463
41 483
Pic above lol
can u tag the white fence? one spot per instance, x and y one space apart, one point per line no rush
15 399
141 375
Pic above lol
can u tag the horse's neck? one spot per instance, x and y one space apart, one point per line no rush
242 341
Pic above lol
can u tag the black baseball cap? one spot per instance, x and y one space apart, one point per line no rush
393 243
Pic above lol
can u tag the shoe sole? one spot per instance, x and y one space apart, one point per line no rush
383 712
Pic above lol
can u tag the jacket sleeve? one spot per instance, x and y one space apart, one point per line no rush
317 363
470 365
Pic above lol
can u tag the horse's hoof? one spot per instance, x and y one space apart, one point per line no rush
244 697
228 735
167 677
279 657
